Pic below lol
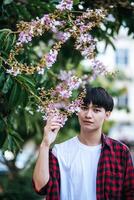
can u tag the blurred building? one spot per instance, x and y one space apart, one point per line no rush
121 59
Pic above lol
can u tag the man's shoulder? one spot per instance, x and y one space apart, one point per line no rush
67 143
116 144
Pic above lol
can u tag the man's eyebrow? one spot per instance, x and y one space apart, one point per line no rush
96 106
84 105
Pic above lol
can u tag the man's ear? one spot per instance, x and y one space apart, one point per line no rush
108 113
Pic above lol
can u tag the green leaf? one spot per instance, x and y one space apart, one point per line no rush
13 39
2 33
3 134
2 36
28 122
7 85
16 135
4 53
13 141
2 78
55 1
23 97
7 39
17 144
75 2
0 62
26 79
24 12
28 82
7 2
6 43
14 95
10 143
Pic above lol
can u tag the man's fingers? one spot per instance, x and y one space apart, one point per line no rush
53 119
56 124
55 128
53 125
51 130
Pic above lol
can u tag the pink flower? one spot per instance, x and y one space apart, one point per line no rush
85 44
63 119
71 81
65 76
59 87
85 38
40 70
65 5
25 37
63 36
51 57
65 94
98 68
51 23
63 91
74 106
46 20
56 113
60 105
13 71
74 83
83 26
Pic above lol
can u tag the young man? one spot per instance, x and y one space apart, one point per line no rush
90 166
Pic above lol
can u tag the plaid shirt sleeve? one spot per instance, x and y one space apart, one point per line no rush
115 174
129 178
52 189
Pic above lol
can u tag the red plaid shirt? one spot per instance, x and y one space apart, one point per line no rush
115 174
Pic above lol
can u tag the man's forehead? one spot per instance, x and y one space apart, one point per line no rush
91 105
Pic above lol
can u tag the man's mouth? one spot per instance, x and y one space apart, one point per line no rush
88 122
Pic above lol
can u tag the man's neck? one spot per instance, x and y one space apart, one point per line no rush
90 138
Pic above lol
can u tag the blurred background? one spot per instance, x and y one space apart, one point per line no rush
21 126
123 114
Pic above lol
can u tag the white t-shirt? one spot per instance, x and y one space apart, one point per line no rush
78 169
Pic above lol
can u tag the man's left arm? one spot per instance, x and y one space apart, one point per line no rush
129 178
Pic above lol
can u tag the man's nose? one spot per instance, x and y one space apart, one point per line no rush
89 113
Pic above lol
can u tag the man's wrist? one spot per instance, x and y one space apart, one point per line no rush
45 143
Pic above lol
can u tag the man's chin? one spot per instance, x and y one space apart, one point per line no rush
88 127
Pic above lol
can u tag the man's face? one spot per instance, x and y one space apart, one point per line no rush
91 117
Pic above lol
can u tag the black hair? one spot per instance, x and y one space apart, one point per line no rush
98 96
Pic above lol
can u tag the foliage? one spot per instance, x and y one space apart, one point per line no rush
19 189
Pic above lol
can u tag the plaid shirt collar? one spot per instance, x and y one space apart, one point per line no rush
105 141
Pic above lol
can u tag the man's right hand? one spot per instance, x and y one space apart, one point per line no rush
51 129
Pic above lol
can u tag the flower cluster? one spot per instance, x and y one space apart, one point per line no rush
74 106
28 30
98 68
68 84
64 23
62 36
51 57
86 45
59 101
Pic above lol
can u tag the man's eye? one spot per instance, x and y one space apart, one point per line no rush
96 110
84 107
